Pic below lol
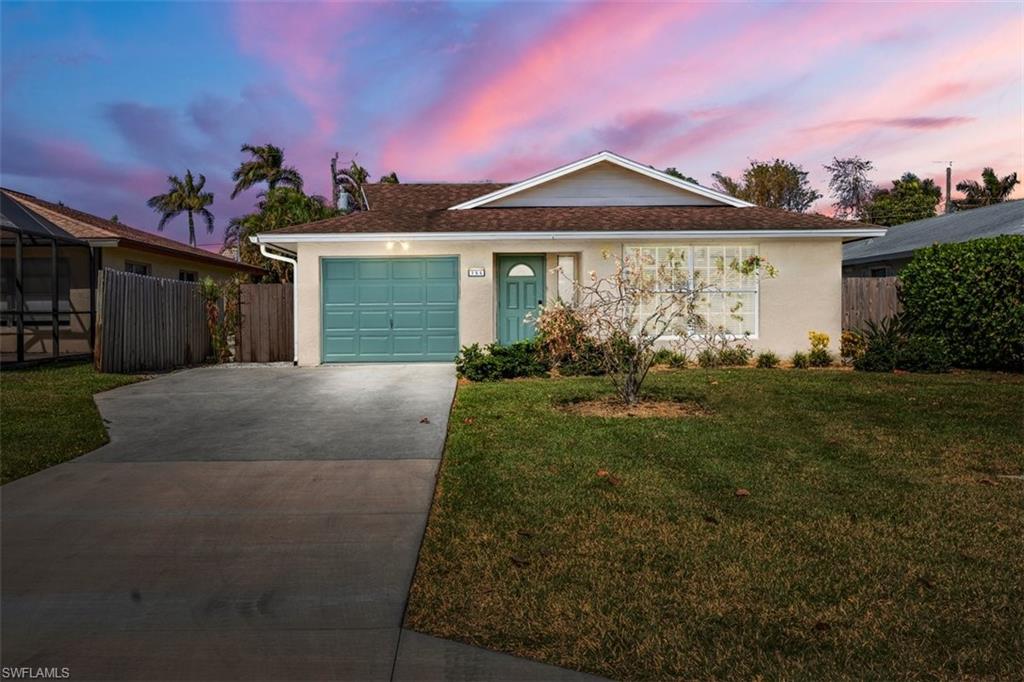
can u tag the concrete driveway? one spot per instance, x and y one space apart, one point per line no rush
257 523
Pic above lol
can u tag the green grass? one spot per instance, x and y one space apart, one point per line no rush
878 540
47 415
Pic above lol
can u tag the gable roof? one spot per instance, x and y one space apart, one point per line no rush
423 209
89 227
601 157
14 216
902 240
478 211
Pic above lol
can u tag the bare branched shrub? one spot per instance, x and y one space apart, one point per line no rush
622 316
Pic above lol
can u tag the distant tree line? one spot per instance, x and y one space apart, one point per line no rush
281 204
774 184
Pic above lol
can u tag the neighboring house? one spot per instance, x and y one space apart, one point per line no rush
79 245
430 267
885 256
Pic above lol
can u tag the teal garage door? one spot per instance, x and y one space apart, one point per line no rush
390 309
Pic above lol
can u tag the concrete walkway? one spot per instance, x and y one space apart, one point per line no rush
257 523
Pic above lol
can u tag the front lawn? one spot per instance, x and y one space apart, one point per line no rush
882 536
47 415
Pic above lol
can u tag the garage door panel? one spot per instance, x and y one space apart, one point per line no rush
373 320
409 319
340 270
443 345
340 292
374 269
373 293
446 320
343 320
407 269
409 344
390 309
443 269
340 346
375 344
442 293
408 293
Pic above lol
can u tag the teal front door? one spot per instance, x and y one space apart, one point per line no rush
390 309
520 292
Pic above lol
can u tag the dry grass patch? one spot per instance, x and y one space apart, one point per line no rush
614 408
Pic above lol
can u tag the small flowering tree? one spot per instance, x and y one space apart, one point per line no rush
623 316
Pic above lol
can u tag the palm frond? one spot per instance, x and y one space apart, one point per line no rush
208 217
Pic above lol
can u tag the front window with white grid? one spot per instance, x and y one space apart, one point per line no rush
727 302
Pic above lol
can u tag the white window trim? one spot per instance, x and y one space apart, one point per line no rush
629 248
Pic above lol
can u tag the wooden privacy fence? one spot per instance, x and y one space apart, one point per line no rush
869 299
148 323
265 332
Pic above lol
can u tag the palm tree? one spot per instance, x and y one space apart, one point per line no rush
991 190
186 196
266 165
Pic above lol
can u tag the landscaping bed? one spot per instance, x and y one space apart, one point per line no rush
49 417
812 525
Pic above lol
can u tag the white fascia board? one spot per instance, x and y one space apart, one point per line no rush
617 235
610 157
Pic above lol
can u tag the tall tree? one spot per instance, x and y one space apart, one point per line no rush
910 198
776 184
185 196
350 181
671 170
850 186
991 190
277 208
265 165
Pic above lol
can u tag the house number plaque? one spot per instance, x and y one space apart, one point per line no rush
477 272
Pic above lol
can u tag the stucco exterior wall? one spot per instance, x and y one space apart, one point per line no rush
805 295
161 265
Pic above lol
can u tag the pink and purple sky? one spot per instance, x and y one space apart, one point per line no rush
102 101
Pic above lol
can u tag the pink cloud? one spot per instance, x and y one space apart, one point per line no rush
580 52
911 122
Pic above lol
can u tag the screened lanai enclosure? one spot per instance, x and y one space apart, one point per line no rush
47 309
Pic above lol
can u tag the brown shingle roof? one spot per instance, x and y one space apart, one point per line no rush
423 208
88 226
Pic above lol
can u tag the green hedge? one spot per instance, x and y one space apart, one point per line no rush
971 295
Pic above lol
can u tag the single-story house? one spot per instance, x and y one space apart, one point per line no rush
431 267
885 256
40 238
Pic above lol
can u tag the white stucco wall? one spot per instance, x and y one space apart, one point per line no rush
163 265
804 296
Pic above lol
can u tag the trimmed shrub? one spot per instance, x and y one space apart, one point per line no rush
728 356
819 355
970 294
672 358
851 345
708 358
735 356
883 342
800 360
496 362
890 345
767 360
924 354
